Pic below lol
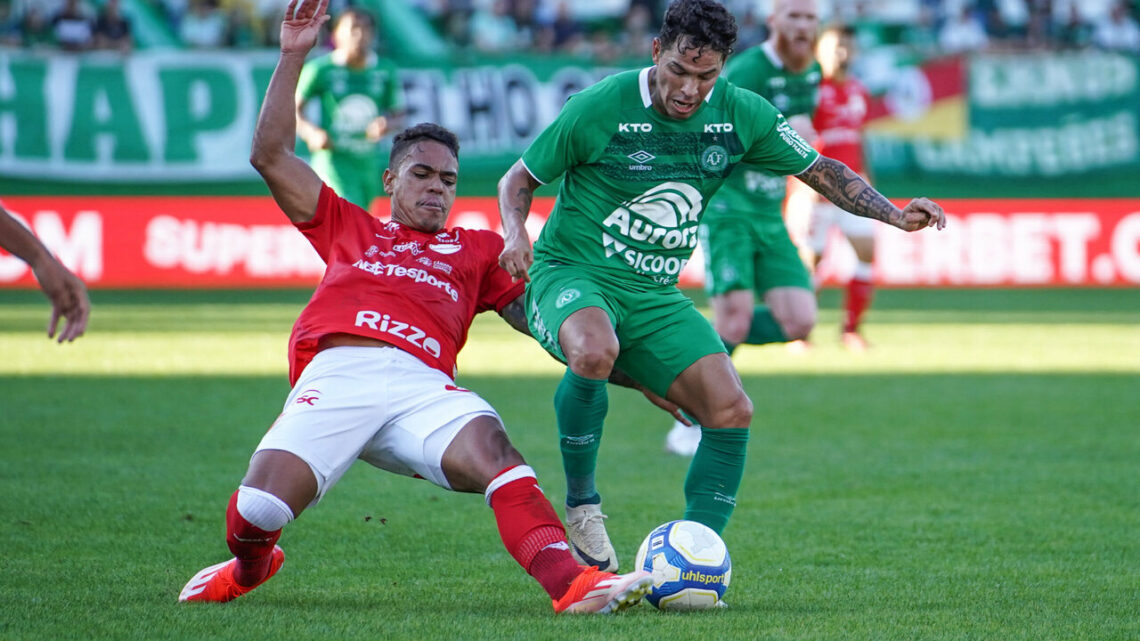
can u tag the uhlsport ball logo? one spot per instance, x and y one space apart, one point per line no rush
690 565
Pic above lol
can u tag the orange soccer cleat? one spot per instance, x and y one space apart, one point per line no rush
216 583
597 592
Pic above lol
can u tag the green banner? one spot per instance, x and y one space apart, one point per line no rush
162 122
1031 125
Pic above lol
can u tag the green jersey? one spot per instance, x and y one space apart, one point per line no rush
637 181
755 189
350 98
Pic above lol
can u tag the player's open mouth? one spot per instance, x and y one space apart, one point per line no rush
684 107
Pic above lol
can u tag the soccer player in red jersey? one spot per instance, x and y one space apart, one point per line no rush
373 359
839 120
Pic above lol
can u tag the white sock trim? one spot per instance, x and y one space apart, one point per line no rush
864 271
515 473
262 509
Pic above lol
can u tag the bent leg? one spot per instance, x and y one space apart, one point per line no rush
711 389
481 459
793 309
581 401
276 488
732 316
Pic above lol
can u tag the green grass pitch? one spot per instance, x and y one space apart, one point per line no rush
975 476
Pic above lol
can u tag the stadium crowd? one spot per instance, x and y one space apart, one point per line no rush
601 29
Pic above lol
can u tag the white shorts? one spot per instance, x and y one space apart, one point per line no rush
378 404
826 215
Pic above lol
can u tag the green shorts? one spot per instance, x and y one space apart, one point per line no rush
355 179
750 254
659 331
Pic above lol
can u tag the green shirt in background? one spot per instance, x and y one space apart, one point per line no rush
350 98
637 182
754 190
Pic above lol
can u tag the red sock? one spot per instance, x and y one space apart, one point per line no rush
532 533
859 293
251 545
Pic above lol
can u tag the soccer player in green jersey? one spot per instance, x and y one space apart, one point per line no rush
360 97
748 252
641 153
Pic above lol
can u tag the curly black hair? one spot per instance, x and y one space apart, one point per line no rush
423 131
697 24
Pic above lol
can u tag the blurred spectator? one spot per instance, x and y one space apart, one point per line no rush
204 26
112 28
1074 32
567 33
174 10
1118 31
493 29
525 14
962 32
636 39
752 30
243 30
10 35
36 29
72 27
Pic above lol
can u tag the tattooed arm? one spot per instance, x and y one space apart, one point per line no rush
515 315
836 182
516 190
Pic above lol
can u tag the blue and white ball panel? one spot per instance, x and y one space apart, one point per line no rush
690 564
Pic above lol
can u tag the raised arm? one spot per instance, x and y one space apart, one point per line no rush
294 185
516 191
67 293
836 182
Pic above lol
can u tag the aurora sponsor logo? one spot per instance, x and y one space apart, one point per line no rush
665 216
646 263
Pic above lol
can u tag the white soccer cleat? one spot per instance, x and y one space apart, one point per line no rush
683 439
595 592
589 543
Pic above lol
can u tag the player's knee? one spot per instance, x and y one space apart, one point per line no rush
798 328
735 413
733 327
263 509
593 362
797 321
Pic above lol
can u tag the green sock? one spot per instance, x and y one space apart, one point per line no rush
580 404
764 328
714 476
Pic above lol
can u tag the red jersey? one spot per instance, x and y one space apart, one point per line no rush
839 120
418 291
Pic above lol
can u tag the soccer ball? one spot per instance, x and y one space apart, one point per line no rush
690 565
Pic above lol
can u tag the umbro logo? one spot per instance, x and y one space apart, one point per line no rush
641 157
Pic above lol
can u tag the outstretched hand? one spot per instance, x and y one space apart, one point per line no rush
302 25
68 297
920 213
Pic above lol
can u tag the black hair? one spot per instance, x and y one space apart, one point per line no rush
698 24
423 131
361 16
